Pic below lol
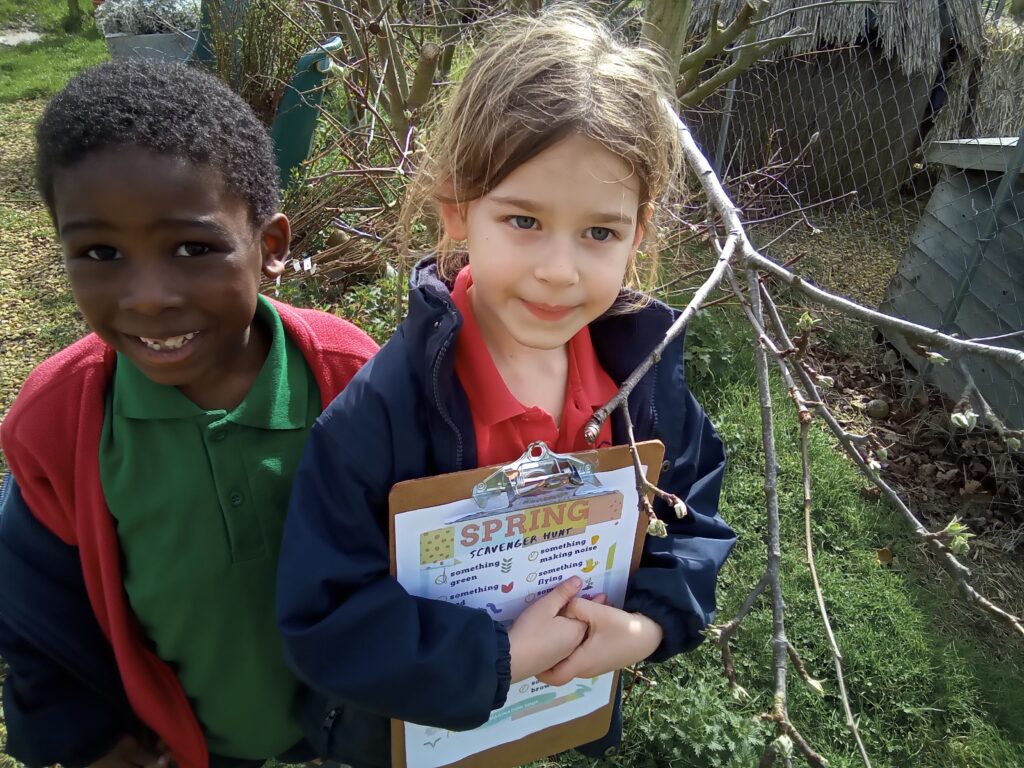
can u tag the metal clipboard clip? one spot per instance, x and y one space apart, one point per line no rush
536 472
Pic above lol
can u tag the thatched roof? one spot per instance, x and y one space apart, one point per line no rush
989 93
908 31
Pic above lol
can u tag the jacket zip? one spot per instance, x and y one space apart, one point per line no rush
436 374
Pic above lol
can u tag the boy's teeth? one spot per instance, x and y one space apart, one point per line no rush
174 342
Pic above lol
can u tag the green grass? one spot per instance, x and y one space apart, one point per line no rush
35 70
40 15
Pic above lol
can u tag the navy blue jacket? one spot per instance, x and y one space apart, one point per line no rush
373 651
67 702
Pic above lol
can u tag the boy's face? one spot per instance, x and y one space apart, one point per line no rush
165 264
549 245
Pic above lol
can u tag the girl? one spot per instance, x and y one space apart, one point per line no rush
544 167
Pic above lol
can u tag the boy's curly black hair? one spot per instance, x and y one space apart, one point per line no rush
170 108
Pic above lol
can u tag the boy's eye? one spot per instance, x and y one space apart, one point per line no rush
601 233
102 253
192 249
523 222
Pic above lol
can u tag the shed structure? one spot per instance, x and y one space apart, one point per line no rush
963 271
863 78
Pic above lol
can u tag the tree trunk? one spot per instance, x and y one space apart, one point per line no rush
665 25
73 23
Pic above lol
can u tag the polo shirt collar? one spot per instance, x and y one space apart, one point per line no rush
277 399
489 396
491 401
591 382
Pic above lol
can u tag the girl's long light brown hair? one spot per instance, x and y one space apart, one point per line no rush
534 82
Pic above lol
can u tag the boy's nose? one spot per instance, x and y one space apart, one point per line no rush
150 292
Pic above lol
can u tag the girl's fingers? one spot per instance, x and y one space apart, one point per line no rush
580 609
557 598
560 674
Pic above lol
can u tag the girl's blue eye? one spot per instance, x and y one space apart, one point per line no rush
523 222
192 249
102 253
600 233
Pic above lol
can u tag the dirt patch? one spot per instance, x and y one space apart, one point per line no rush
940 471
945 470
17 152
852 253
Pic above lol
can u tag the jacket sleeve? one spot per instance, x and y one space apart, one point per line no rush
53 714
350 630
675 584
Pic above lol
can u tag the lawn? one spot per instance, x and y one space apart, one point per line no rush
930 690
34 70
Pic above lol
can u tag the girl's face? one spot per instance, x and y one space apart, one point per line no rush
165 264
549 246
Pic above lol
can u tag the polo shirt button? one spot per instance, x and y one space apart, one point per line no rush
236 499
611 752
666 466
219 435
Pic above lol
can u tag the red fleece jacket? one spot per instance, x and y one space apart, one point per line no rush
51 439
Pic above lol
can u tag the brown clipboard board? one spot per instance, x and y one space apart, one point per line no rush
442 489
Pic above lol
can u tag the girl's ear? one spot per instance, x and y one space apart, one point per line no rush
453 216
644 219
275 239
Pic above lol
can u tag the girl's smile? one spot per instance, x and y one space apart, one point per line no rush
548 312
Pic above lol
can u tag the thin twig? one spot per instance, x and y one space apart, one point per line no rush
1001 337
724 632
593 427
972 392
643 503
827 3
930 336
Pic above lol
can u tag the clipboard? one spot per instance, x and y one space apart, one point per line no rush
537 471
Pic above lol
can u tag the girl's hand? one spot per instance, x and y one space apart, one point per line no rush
543 635
129 752
615 639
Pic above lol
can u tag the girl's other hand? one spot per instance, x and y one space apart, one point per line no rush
615 639
543 635
130 752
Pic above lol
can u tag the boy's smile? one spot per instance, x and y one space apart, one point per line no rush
549 245
165 264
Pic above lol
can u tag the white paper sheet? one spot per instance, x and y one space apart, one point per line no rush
501 563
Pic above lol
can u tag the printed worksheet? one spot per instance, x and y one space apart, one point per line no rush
501 561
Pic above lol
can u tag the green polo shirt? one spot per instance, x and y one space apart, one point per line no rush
199 498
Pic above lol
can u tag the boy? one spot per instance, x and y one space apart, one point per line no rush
152 460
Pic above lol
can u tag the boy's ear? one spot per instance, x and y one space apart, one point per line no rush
453 216
275 239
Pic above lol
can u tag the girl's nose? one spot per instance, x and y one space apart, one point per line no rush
150 291
558 265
